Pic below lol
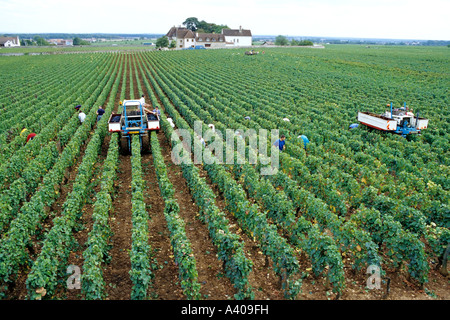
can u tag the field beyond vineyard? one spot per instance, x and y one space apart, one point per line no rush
79 220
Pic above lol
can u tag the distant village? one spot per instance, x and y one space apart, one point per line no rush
9 42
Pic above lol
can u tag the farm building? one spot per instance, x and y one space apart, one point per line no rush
210 40
185 38
9 42
239 37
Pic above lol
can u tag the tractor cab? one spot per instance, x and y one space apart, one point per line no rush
135 117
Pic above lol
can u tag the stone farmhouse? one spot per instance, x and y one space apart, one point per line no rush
186 38
9 42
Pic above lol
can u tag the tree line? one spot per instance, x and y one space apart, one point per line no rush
283 41
40 41
195 25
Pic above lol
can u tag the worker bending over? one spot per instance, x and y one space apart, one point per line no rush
305 140
31 136
81 116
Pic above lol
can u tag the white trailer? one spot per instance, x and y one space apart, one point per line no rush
377 121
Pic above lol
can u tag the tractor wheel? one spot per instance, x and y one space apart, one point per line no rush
123 146
145 143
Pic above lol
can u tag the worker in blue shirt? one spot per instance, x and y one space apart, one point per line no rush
280 143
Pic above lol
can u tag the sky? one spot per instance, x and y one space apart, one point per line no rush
387 19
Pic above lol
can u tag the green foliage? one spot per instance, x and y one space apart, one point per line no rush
340 164
195 25
401 244
15 242
181 245
281 41
140 273
59 241
251 218
354 196
27 42
98 243
40 41
231 250
162 42
191 23
301 43
80 42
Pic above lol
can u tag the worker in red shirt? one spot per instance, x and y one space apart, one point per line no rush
31 136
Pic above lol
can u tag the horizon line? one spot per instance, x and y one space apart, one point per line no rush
257 35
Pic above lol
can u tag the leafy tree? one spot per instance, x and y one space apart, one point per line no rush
202 26
40 41
162 42
79 42
191 23
301 43
173 44
281 41
27 42
215 28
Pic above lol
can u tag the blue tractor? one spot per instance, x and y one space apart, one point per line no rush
133 121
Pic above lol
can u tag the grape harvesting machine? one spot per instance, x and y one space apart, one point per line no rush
133 121
400 121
